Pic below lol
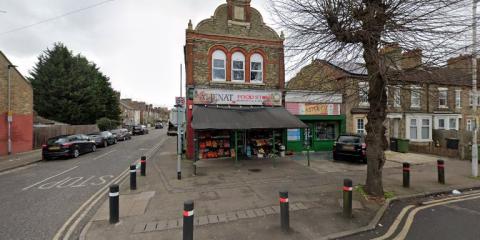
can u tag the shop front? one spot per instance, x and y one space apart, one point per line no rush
239 124
322 114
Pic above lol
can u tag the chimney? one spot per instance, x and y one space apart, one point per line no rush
462 62
411 59
392 54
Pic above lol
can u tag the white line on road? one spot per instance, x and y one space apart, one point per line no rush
103 155
46 179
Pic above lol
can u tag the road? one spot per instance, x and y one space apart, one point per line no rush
37 200
441 219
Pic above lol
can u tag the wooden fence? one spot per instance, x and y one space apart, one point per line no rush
42 133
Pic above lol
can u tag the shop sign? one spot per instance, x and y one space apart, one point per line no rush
313 109
237 97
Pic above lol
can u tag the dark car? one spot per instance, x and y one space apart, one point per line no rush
122 134
67 146
139 130
350 147
158 125
103 139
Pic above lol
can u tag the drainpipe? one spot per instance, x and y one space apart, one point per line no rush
9 113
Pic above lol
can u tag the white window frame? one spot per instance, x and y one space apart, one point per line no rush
458 99
443 96
447 119
419 125
470 125
415 91
455 121
357 123
238 57
219 55
256 58
363 89
441 120
397 100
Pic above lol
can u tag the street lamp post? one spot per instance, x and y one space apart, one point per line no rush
9 113
474 90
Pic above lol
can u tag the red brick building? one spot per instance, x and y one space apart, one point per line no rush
233 61
21 109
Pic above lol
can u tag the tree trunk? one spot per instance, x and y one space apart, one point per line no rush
376 139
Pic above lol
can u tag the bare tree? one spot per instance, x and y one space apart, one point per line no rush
356 31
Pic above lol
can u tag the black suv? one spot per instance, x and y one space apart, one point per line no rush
350 147
139 130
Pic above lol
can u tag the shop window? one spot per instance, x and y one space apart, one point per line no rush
442 97
238 67
415 97
326 131
219 60
363 93
256 68
360 126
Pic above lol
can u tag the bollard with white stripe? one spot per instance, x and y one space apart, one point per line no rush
188 220
143 166
114 203
347 197
284 211
441 171
133 177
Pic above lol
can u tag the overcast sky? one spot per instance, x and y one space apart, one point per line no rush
137 43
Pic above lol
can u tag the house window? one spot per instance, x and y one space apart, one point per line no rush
238 67
458 98
441 123
219 60
425 129
415 97
397 101
413 129
256 68
471 99
470 125
452 125
360 126
442 97
363 89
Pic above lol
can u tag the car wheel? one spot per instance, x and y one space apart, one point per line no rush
105 143
76 153
94 148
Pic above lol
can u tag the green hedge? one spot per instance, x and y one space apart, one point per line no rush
105 124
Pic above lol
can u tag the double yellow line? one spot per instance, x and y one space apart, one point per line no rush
411 215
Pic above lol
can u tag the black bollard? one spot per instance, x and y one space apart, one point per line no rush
143 166
347 198
114 203
133 177
188 220
406 175
441 171
284 211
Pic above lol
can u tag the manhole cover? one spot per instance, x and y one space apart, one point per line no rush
255 170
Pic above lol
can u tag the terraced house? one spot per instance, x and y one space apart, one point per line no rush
235 85
431 107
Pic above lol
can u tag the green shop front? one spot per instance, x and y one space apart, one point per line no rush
321 113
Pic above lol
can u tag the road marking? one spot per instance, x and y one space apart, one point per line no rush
395 224
103 155
46 179
408 223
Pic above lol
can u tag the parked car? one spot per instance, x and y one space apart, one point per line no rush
158 125
350 147
122 134
103 139
139 130
68 146
172 129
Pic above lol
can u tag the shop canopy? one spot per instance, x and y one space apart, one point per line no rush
235 118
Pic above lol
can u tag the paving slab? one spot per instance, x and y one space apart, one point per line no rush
130 205
212 218
232 216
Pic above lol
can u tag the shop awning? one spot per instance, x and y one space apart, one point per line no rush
243 118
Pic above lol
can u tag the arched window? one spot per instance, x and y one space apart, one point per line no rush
219 63
256 68
238 67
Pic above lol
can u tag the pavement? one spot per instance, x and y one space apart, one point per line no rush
50 199
19 160
241 202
